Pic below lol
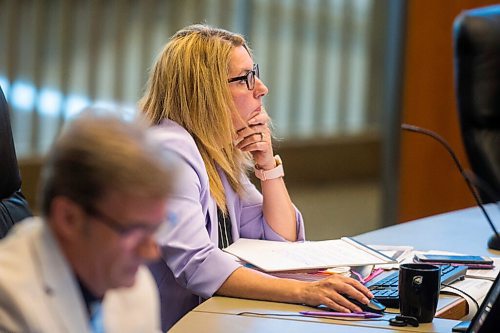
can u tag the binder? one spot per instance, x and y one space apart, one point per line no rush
274 256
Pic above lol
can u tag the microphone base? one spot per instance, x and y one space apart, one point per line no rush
494 242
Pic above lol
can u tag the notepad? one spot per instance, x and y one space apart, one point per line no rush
273 256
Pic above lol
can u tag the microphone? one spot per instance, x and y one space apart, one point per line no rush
494 241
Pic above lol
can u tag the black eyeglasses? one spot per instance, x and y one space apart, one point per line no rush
136 231
249 77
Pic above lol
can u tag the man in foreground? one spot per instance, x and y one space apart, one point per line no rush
78 268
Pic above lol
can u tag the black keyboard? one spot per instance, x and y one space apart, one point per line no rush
386 289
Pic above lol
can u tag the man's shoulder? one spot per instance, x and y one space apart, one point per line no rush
22 296
20 272
15 249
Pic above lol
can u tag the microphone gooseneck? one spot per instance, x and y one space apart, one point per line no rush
494 241
486 189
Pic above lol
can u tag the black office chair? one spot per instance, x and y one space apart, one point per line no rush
477 75
13 205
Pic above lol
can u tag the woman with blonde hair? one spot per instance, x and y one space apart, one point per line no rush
205 96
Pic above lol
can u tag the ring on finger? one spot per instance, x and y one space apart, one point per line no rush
261 136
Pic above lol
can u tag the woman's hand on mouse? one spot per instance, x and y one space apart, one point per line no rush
330 291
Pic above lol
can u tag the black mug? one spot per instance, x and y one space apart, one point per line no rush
419 286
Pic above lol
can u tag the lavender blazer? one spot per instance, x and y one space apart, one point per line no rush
192 266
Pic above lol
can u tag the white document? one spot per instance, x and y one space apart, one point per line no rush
398 253
488 274
273 256
476 288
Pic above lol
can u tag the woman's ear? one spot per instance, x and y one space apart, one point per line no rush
66 217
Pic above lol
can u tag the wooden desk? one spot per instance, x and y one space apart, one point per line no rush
463 231
218 322
220 314
456 307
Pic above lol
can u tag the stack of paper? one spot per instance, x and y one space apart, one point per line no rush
399 253
475 288
272 256
488 274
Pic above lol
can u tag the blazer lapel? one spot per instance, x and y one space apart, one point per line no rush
63 294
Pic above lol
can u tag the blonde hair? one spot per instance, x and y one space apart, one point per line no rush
189 85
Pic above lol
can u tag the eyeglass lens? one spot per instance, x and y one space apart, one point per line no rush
251 77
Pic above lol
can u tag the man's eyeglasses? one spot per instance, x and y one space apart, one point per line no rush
136 231
249 77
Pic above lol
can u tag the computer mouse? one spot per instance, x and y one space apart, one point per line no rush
374 305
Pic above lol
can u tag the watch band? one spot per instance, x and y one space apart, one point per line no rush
274 173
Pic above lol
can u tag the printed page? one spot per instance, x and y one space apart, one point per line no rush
476 288
489 274
271 256
398 253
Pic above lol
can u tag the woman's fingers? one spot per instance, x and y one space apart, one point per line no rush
355 289
359 289
246 132
340 303
252 139
256 139
331 290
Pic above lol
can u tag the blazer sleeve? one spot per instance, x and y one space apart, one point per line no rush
252 221
195 261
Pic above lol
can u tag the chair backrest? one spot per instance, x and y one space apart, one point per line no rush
13 205
10 181
477 78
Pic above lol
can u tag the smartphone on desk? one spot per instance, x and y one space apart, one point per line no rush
453 259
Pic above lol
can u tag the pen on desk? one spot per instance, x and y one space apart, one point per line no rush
365 315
